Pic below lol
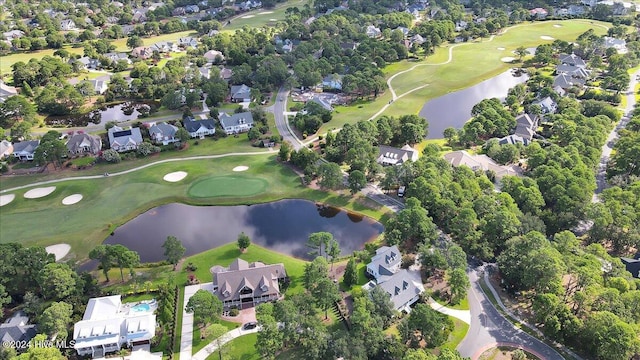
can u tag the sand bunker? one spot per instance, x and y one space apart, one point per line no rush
5 199
247 17
273 19
507 59
241 168
557 25
545 37
265 12
58 250
175 176
72 199
501 48
39 192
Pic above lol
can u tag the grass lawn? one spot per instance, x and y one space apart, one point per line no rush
240 348
456 336
83 161
261 17
223 186
472 63
199 343
225 254
25 56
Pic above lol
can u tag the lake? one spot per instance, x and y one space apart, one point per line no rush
119 112
282 226
454 109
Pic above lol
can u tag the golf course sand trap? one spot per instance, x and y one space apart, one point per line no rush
5 199
545 37
247 17
175 176
265 12
58 250
507 59
240 168
557 25
273 19
72 199
39 192
501 48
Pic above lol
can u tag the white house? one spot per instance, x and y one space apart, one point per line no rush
388 155
236 123
240 93
619 44
199 128
67 25
373 32
403 286
185 42
108 325
99 86
384 263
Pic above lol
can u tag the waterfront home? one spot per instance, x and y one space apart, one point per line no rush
243 285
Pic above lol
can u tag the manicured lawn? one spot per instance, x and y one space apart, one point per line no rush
25 56
227 186
240 348
199 343
472 62
262 17
225 254
83 161
456 336
137 298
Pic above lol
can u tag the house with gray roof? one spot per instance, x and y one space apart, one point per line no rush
6 149
236 123
388 155
199 128
240 93
163 133
122 140
332 82
514 139
572 59
573 71
6 91
114 57
526 126
384 263
25 150
547 105
108 324
564 82
404 289
16 330
82 143
245 285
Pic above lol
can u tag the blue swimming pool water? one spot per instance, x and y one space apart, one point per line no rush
141 308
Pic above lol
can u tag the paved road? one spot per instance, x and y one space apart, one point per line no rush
282 122
601 180
488 327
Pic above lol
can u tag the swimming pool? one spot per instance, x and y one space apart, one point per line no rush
141 308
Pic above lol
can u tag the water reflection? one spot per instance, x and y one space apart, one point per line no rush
454 109
120 112
283 226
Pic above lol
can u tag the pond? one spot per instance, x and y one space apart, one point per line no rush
454 109
282 226
119 112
